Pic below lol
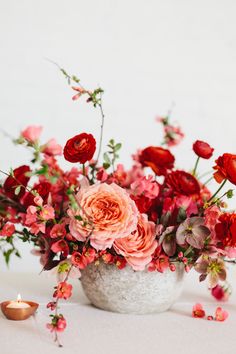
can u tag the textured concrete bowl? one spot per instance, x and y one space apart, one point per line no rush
127 291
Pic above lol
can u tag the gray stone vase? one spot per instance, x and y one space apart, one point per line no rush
128 291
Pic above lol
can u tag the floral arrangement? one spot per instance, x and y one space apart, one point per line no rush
151 216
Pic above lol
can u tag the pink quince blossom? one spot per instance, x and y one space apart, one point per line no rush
7 230
32 133
60 246
221 315
52 148
63 291
58 230
47 212
58 325
198 311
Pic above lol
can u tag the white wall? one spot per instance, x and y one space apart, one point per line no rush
145 54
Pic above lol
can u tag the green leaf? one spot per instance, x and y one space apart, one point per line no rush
117 147
106 158
78 217
17 190
7 255
106 165
230 193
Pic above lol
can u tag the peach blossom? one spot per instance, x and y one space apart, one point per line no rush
107 213
139 246
32 133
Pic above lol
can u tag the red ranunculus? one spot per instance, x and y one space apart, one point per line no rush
42 189
20 178
226 230
203 149
183 183
80 148
225 168
160 160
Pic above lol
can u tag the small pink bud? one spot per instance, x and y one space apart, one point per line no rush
180 254
187 268
210 318
172 267
185 260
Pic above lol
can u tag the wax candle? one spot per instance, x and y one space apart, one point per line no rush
18 304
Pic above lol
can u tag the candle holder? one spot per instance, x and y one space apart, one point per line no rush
18 314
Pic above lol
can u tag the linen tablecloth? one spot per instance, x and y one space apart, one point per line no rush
93 331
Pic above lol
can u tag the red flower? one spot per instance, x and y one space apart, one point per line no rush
7 230
203 149
198 311
58 324
226 230
82 260
220 293
20 178
63 291
160 160
225 168
42 189
221 315
80 148
60 246
183 183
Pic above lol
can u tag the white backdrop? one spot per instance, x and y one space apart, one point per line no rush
145 54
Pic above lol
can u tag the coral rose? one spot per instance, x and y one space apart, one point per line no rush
160 160
80 148
139 246
225 168
183 183
202 149
106 213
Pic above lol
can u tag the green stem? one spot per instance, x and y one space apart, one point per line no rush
215 194
195 167
84 172
209 180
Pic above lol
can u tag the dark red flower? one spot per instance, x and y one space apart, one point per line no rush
20 179
226 230
160 160
203 149
183 183
42 189
80 148
225 168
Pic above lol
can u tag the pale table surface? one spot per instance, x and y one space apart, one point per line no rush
93 331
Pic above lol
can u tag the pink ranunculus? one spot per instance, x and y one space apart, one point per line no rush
106 213
187 204
138 247
146 186
52 148
32 133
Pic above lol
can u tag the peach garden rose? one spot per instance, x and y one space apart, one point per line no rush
138 247
108 210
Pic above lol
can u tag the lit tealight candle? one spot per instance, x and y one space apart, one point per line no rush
18 304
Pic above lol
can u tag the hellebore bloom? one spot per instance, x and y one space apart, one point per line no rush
193 232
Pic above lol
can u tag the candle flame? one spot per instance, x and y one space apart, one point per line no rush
18 298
